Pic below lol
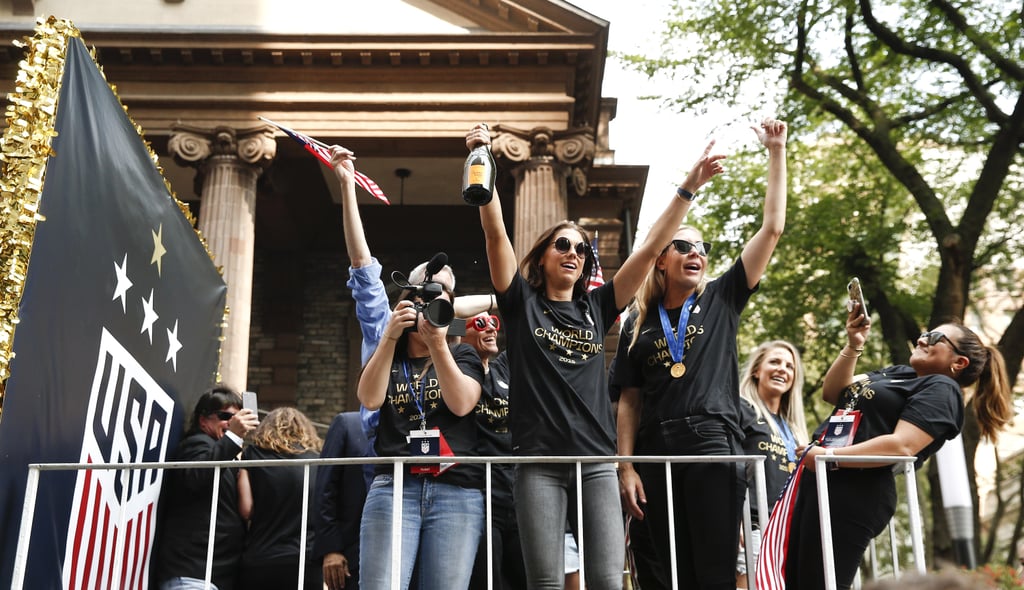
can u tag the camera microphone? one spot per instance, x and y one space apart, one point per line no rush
437 262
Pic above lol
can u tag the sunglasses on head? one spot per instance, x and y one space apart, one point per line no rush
563 245
484 323
224 415
934 337
684 247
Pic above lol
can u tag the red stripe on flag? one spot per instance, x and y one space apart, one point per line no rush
124 559
73 578
135 548
323 153
102 555
771 562
370 186
90 551
145 545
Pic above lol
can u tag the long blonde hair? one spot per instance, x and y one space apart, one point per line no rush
287 431
791 405
652 290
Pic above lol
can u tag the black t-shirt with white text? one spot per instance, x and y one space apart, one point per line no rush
400 414
933 403
710 386
760 439
494 437
558 394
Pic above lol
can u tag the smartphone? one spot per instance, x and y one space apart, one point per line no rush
249 401
856 296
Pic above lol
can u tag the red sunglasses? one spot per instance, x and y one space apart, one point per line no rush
484 323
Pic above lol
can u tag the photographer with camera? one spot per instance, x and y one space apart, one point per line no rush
426 392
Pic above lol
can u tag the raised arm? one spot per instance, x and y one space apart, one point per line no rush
501 257
841 373
634 269
758 251
372 309
352 223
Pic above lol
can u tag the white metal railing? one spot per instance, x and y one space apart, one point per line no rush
32 484
904 464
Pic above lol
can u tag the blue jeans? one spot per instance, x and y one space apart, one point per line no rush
441 525
543 497
185 584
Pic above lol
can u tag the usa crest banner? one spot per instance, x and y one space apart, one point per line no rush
111 317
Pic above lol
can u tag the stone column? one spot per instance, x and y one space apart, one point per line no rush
541 160
229 162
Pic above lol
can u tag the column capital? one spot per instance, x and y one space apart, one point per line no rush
191 146
572 149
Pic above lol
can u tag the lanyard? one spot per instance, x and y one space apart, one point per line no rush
676 341
417 395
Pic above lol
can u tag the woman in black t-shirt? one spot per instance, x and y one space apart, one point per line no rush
678 368
558 398
772 416
902 410
426 392
270 498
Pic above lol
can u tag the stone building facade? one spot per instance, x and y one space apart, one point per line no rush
397 81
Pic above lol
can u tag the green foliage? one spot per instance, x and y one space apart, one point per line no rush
905 162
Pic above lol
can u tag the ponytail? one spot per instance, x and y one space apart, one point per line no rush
992 394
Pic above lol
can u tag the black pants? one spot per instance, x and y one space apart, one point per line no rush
861 501
507 556
707 500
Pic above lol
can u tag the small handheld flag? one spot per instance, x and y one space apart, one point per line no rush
323 153
597 276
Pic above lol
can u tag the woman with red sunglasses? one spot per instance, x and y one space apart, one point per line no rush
678 369
900 411
557 380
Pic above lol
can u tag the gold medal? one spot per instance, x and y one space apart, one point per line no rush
678 370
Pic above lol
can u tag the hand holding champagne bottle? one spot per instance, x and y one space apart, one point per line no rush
479 172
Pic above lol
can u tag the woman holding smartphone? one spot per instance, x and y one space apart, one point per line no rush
899 410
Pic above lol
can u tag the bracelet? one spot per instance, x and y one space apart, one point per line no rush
684 194
849 356
832 465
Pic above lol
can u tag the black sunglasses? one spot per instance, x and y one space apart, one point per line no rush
684 247
224 415
934 337
563 245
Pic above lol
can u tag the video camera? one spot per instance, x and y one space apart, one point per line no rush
439 312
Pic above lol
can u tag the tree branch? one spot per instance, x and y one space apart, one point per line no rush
1009 68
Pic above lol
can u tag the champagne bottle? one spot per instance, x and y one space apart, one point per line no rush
478 175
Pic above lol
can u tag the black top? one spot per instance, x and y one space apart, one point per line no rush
710 386
494 438
276 519
185 507
399 415
558 398
933 403
341 491
761 440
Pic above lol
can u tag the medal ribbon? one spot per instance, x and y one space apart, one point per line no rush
676 341
417 395
787 435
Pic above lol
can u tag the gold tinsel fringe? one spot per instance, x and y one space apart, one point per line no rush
25 147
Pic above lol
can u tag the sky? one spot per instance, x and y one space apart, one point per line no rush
641 129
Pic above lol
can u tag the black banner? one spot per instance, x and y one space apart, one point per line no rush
118 336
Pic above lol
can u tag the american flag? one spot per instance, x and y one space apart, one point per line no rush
597 276
323 153
771 561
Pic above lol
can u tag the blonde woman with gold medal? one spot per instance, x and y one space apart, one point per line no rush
678 370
